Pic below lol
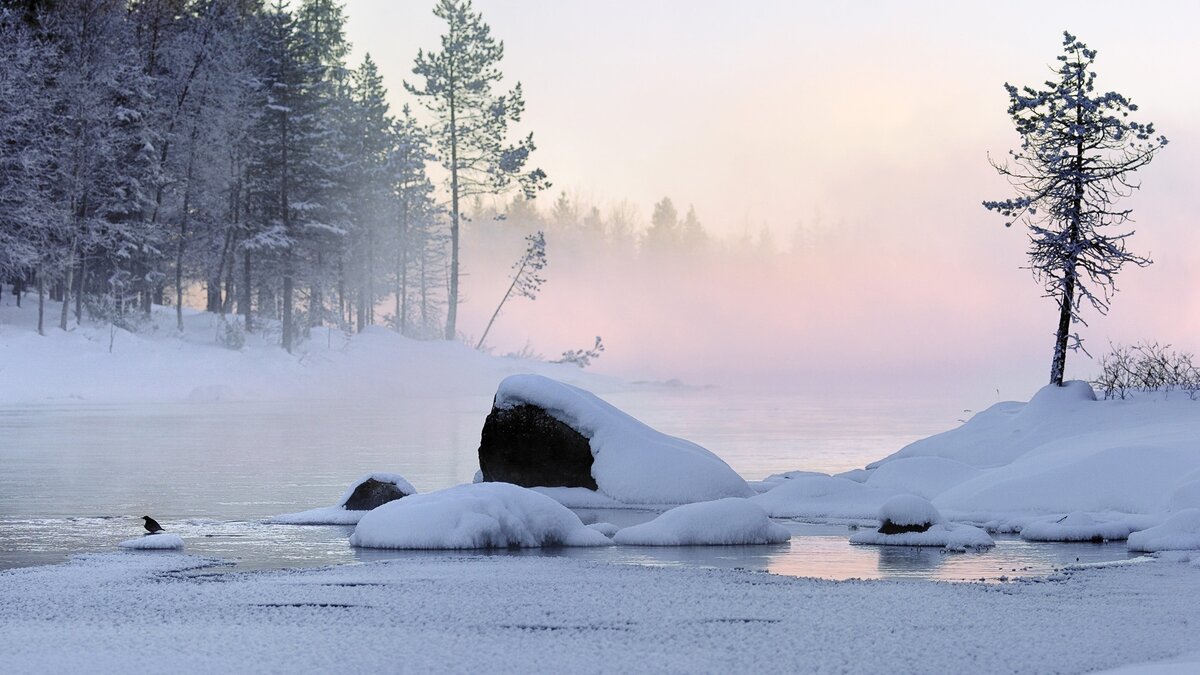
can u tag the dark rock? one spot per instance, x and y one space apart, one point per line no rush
371 493
888 527
526 446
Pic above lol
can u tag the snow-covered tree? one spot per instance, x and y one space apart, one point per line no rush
1078 150
472 121
418 241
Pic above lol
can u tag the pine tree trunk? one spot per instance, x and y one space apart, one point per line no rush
83 270
246 290
41 287
1058 365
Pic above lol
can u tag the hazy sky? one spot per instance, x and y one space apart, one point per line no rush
871 121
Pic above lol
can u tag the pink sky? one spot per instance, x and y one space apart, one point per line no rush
879 116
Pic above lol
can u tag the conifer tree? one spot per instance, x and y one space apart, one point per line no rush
472 122
1078 151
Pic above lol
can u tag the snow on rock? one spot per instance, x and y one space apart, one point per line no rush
728 521
909 520
907 513
1179 532
950 536
1061 452
1077 526
476 515
366 493
821 496
154 542
632 463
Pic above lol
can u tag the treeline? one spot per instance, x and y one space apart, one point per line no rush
155 147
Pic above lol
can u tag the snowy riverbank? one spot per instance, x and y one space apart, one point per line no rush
110 613
94 363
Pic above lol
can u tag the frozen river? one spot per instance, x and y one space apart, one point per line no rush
77 477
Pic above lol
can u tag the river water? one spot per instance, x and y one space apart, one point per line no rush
77 477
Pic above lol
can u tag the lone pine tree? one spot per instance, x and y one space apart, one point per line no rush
1078 149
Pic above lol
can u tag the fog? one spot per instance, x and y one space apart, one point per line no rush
861 149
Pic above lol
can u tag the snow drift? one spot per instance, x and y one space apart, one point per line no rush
154 542
723 522
476 515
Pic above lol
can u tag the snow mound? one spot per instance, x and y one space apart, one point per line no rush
1077 526
724 522
477 515
581 498
950 536
909 510
1179 532
339 514
606 529
1186 496
821 496
154 542
926 477
632 463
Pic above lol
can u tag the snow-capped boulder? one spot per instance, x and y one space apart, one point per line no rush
476 515
724 522
376 490
1077 526
542 432
366 493
161 541
908 520
907 513
1179 532
950 536
525 445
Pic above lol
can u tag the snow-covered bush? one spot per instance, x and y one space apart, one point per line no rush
231 335
583 357
1146 367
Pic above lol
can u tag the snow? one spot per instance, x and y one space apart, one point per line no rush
476 515
1016 464
1179 532
729 521
513 614
914 510
909 510
632 463
950 536
160 364
339 514
162 541
606 529
823 497
1077 526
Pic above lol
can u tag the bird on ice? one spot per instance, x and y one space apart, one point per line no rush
152 525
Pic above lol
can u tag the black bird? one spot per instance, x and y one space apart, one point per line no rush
152 525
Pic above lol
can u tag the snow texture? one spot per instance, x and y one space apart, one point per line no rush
729 521
516 614
476 515
1179 532
820 496
606 529
339 514
1077 526
632 463
950 536
909 510
162 541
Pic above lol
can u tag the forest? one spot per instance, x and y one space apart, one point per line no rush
225 155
